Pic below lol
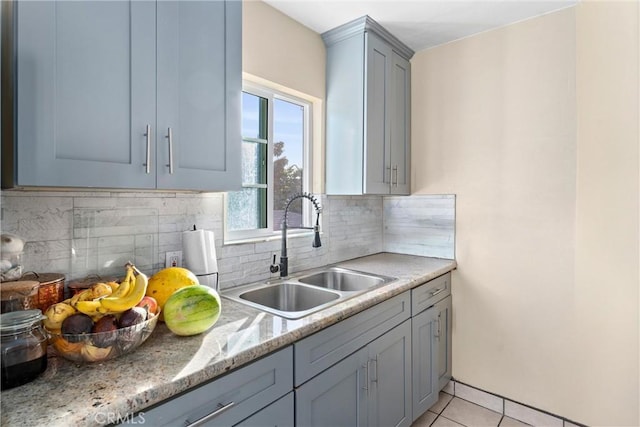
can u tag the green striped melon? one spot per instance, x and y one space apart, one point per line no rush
192 310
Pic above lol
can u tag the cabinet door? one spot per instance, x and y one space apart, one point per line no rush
278 414
337 397
327 347
199 89
400 122
377 165
443 342
390 378
423 329
85 92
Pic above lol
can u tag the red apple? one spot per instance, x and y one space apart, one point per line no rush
149 303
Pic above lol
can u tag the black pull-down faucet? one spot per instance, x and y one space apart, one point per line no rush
283 266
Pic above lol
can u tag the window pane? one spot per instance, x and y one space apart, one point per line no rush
254 113
288 135
254 163
245 209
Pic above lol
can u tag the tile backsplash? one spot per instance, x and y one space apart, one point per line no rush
420 225
81 233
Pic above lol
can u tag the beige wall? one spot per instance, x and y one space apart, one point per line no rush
607 227
282 53
546 292
279 49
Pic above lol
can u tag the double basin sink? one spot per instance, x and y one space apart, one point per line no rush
298 297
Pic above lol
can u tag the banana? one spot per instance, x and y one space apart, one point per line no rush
100 290
126 285
91 308
113 285
85 295
56 314
135 295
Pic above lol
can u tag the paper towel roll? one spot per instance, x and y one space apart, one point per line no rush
199 249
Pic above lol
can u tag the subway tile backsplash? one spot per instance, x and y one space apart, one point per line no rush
80 233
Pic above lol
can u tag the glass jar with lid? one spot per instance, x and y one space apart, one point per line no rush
23 343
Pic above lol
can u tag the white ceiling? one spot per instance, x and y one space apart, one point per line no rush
420 24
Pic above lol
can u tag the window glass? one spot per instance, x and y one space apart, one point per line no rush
275 138
246 208
288 165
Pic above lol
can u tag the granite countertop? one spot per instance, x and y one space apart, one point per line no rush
165 365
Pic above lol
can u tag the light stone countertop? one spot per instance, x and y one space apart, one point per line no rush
96 394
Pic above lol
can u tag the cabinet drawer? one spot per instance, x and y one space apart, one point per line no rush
278 414
242 392
318 352
424 296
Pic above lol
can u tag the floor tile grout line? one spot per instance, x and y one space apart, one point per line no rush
454 421
477 404
448 403
472 403
505 399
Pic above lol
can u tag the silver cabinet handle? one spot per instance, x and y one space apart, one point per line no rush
147 165
436 292
366 377
395 169
438 331
376 369
170 138
214 414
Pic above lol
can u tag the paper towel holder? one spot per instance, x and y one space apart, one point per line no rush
200 256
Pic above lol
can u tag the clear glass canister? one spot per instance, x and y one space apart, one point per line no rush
24 347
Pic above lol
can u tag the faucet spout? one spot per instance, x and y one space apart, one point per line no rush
284 258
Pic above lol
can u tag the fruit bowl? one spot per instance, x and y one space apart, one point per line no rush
101 346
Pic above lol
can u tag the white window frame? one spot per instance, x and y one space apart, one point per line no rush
268 233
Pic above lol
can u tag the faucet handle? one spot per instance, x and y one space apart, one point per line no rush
274 267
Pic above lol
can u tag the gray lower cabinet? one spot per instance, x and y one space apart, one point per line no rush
371 387
228 400
368 110
123 94
357 372
337 397
390 379
431 352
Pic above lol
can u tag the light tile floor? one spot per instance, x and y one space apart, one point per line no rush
450 411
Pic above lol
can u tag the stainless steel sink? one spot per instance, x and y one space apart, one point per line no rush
289 297
344 280
294 298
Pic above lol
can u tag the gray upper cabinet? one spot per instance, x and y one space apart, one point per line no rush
199 90
97 87
368 110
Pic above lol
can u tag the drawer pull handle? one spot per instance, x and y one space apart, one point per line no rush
147 165
436 292
221 409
